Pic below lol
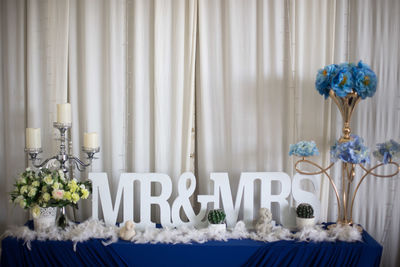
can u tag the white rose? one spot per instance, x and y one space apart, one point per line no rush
61 173
23 190
36 211
22 180
32 192
22 203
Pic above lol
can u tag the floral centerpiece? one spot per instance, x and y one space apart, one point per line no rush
347 84
387 151
346 78
304 149
353 151
44 188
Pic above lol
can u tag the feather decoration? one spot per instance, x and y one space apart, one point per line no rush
184 234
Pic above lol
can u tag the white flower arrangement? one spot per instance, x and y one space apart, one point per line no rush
46 188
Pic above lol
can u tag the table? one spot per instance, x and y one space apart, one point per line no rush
244 252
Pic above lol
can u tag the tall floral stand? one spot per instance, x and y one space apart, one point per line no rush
346 84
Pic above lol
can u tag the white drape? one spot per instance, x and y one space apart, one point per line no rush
374 36
128 68
255 85
242 51
131 72
12 105
257 65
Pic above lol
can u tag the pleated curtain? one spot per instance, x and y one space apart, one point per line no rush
126 67
233 79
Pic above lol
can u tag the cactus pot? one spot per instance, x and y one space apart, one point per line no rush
221 227
303 222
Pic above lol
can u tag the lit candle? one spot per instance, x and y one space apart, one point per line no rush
32 138
90 140
64 113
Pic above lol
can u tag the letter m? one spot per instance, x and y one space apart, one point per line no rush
100 188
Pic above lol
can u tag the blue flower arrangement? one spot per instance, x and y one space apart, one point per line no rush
352 151
304 149
387 151
345 78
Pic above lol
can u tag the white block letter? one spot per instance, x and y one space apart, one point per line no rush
100 186
302 196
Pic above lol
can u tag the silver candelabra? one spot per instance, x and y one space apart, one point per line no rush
64 158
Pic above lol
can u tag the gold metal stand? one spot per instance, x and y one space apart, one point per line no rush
346 106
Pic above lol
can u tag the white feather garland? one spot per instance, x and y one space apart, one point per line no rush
98 229
313 233
345 233
74 232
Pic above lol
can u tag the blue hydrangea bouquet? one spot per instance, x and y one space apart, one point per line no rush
346 78
347 84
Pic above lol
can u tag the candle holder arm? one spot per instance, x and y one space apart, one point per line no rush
80 165
42 164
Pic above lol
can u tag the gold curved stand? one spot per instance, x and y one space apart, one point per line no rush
345 214
346 106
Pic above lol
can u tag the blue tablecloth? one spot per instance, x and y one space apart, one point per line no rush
213 253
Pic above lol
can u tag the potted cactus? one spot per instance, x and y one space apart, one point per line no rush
216 218
305 215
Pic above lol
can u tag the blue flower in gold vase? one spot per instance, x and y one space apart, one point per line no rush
342 83
365 80
346 78
324 78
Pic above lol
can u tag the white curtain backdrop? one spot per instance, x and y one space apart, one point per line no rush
12 105
131 73
256 69
255 93
374 36
129 69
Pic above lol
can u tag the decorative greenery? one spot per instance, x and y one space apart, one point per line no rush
352 151
387 151
305 210
216 216
304 149
46 188
345 78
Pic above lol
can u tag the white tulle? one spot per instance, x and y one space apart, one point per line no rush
98 229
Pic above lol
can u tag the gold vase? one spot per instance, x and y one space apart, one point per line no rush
346 106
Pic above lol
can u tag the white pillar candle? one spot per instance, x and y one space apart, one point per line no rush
90 140
32 138
64 113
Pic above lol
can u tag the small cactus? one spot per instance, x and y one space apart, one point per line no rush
305 210
216 216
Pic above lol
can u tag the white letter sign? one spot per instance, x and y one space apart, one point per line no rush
170 216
